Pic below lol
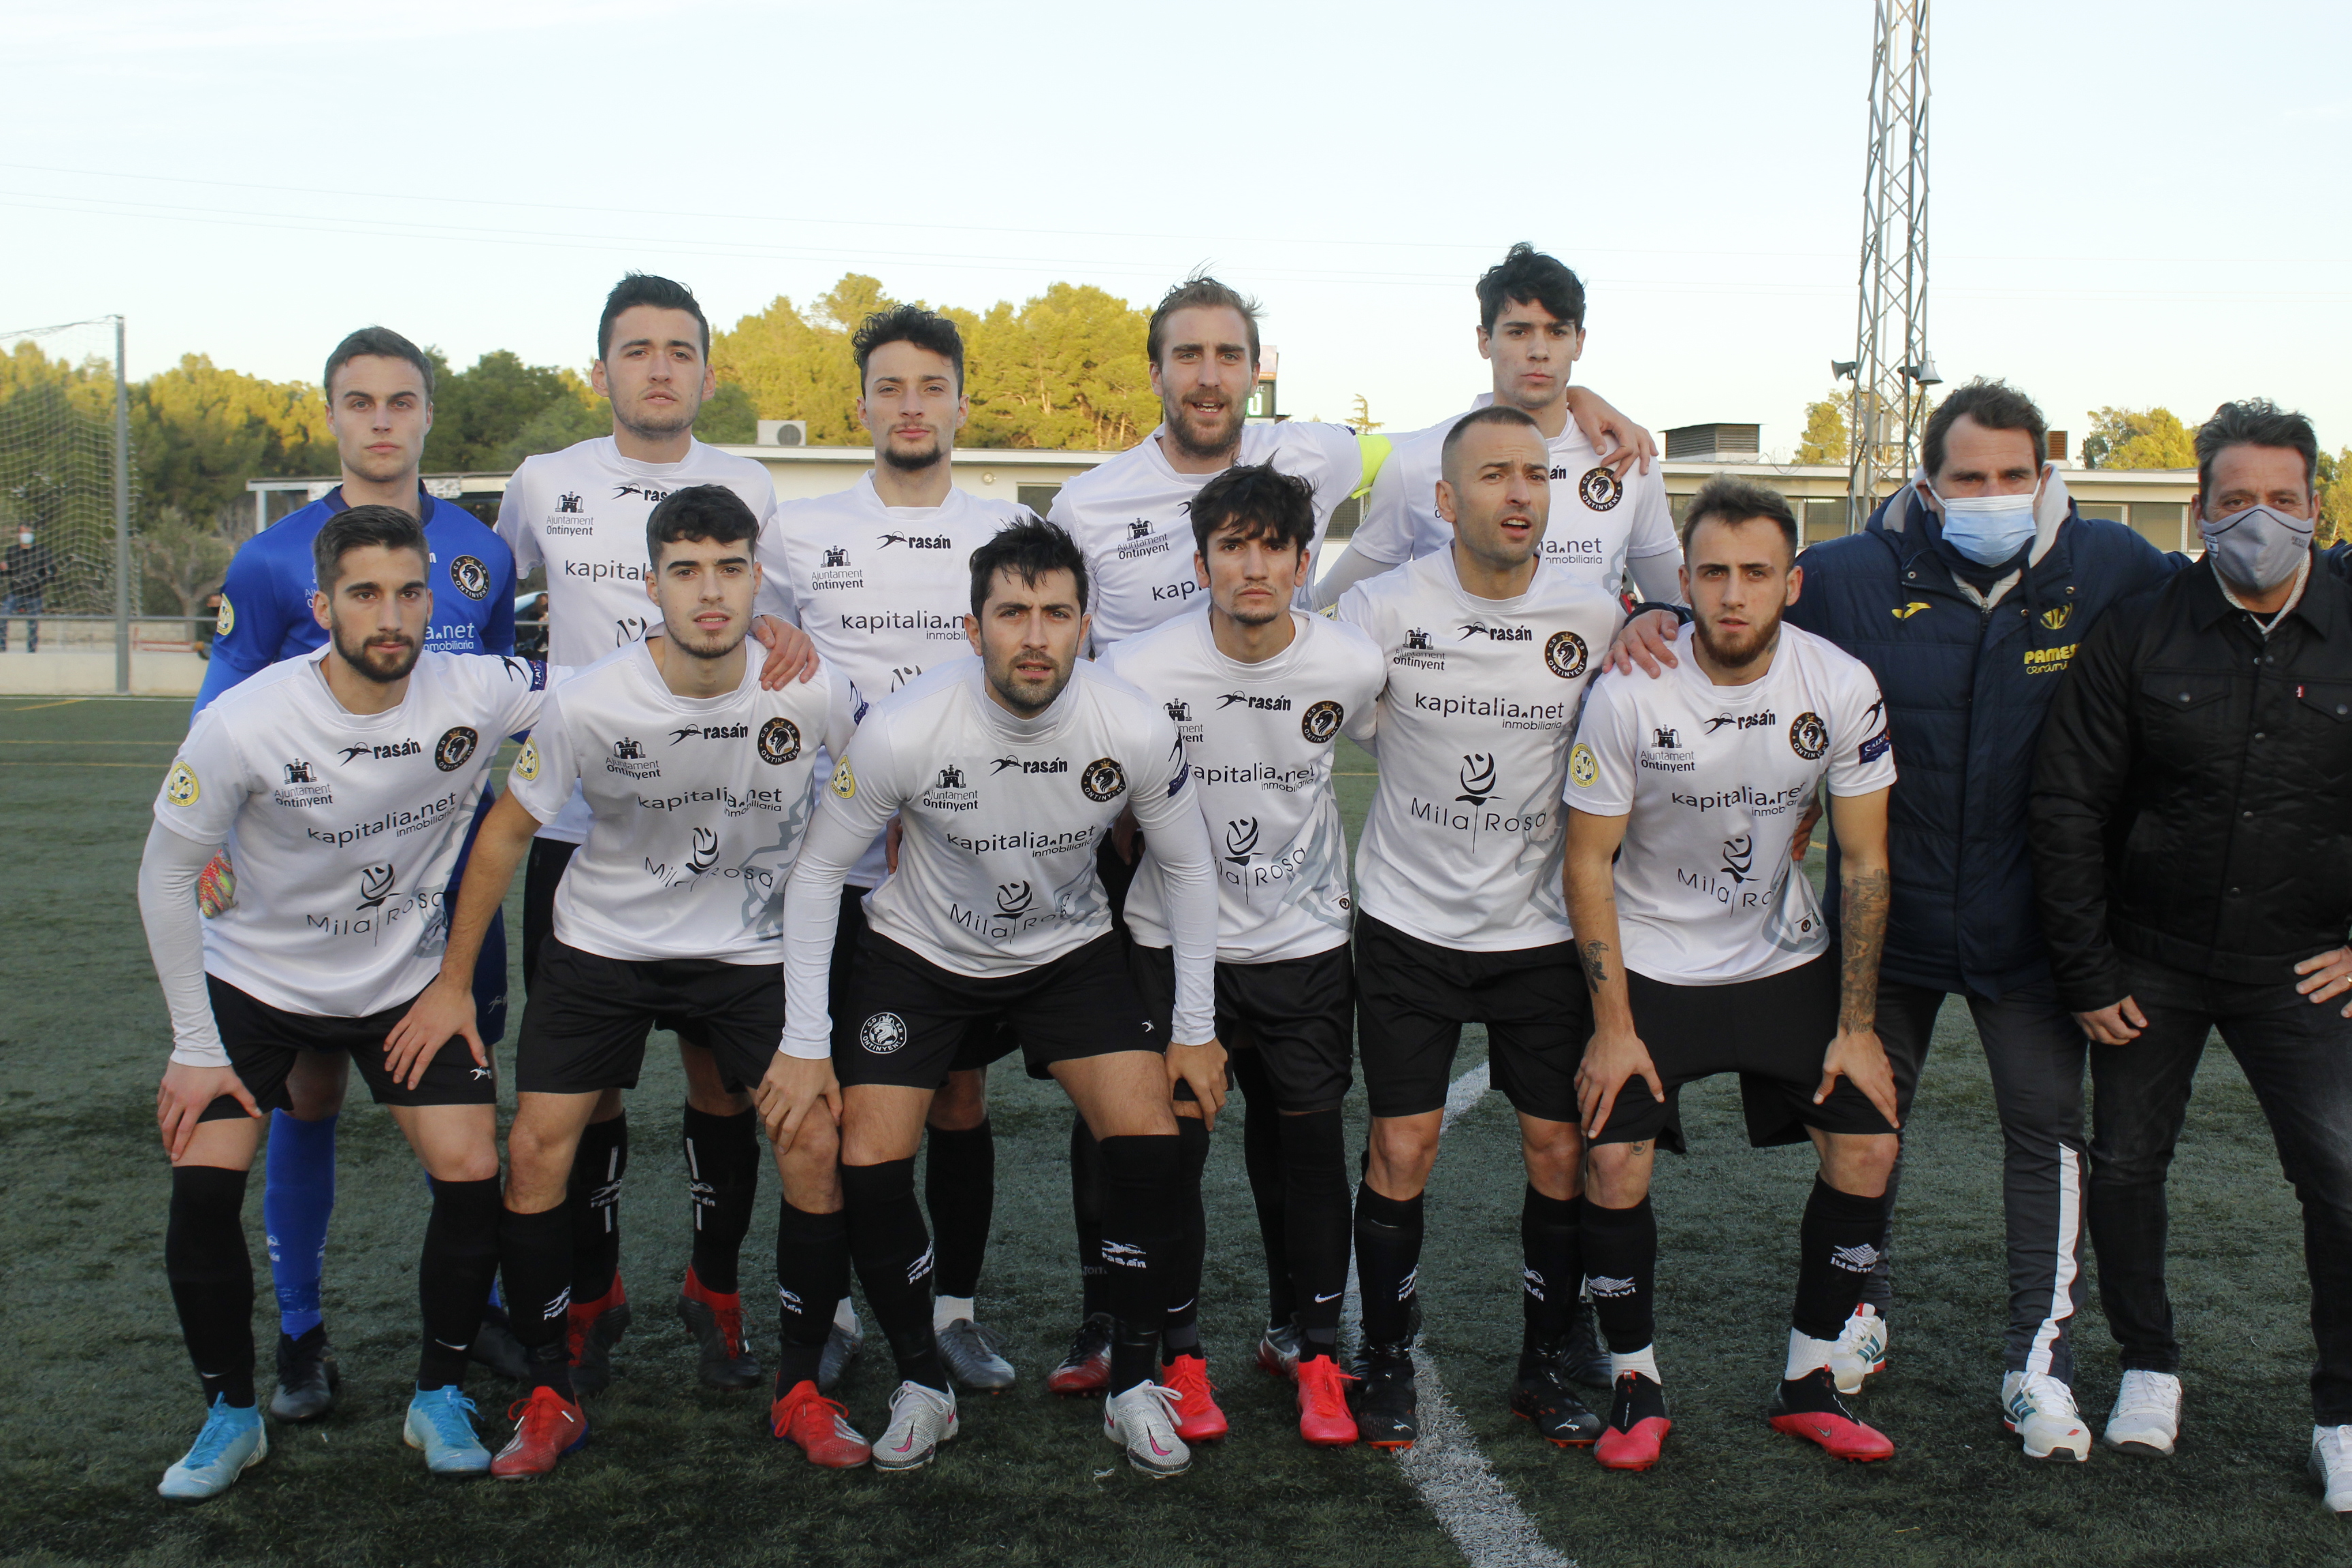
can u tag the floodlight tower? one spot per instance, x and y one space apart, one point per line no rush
1891 369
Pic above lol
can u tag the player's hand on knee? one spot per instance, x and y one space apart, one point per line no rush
2327 976
791 1088
442 1013
790 655
1609 1063
1204 1067
1647 640
1863 1061
186 1091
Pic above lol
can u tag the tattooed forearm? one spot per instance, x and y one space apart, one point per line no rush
1595 955
1864 919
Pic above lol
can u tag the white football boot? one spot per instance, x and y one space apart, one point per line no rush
1143 1421
920 1420
2041 1409
2331 1465
1861 1350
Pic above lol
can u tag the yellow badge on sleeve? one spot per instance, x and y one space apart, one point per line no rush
844 783
182 788
526 766
224 622
1582 766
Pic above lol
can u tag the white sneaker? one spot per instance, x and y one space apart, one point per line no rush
920 1420
2331 1465
2041 1409
2147 1416
1143 1421
1861 1350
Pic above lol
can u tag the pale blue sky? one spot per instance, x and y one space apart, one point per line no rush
2132 204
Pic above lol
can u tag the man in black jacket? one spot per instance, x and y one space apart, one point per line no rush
25 573
2194 865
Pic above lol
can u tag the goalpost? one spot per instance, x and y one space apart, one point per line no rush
65 475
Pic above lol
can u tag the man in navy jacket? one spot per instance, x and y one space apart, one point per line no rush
1967 595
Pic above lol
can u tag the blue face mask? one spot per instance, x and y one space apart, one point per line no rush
1989 529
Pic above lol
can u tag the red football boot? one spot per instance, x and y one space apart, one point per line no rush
1087 1368
547 1428
1637 1426
1198 1419
1324 1418
715 1319
1809 1408
819 1427
590 1332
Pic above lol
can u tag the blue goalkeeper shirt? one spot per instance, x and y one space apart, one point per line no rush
265 613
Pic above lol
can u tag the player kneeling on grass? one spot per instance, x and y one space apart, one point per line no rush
343 782
1260 691
1705 951
1006 770
698 783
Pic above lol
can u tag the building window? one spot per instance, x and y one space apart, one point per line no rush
2162 523
1822 519
2108 511
1038 499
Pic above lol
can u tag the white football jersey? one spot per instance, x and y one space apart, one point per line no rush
1131 519
343 828
1464 842
1002 815
882 590
1715 779
696 804
581 513
1597 522
1260 738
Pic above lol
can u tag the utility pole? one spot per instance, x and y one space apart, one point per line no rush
1891 369
121 518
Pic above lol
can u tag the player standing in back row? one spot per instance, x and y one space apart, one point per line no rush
1488 648
879 575
1707 952
581 514
1260 692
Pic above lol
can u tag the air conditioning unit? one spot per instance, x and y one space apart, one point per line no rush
783 433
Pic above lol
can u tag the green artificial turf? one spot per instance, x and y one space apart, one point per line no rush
98 1398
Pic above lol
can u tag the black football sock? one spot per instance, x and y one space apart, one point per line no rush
811 1274
595 1205
1315 1223
1388 1262
1551 1270
535 1262
1837 1247
1086 1210
1621 1265
960 1191
893 1254
722 1182
1143 1197
211 1271
1178 1283
454 1275
1264 1141
1878 1289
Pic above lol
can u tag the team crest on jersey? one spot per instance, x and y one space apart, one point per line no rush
1599 489
473 578
844 783
224 622
1566 655
1808 736
182 788
456 746
526 766
2055 618
882 1033
1321 721
1584 767
1103 780
779 741
1905 612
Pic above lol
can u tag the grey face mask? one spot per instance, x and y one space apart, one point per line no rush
2258 548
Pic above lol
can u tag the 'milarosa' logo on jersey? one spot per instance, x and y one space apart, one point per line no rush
1322 721
779 741
393 753
1052 765
706 852
472 578
457 744
1241 839
709 732
1739 858
1264 704
918 540
1477 779
1566 655
1497 633
650 494
1599 489
1013 898
1808 736
376 885
1103 780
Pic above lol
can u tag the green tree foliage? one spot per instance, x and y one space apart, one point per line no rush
2138 438
1829 427
2334 478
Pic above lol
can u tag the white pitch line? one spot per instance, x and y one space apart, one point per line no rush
1445 1464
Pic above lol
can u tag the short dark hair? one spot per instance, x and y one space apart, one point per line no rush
381 343
357 528
637 289
1996 406
1730 499
1199 291
1256 500
1493 414
1029 549
711 514
2254 422
909 324
1527 275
